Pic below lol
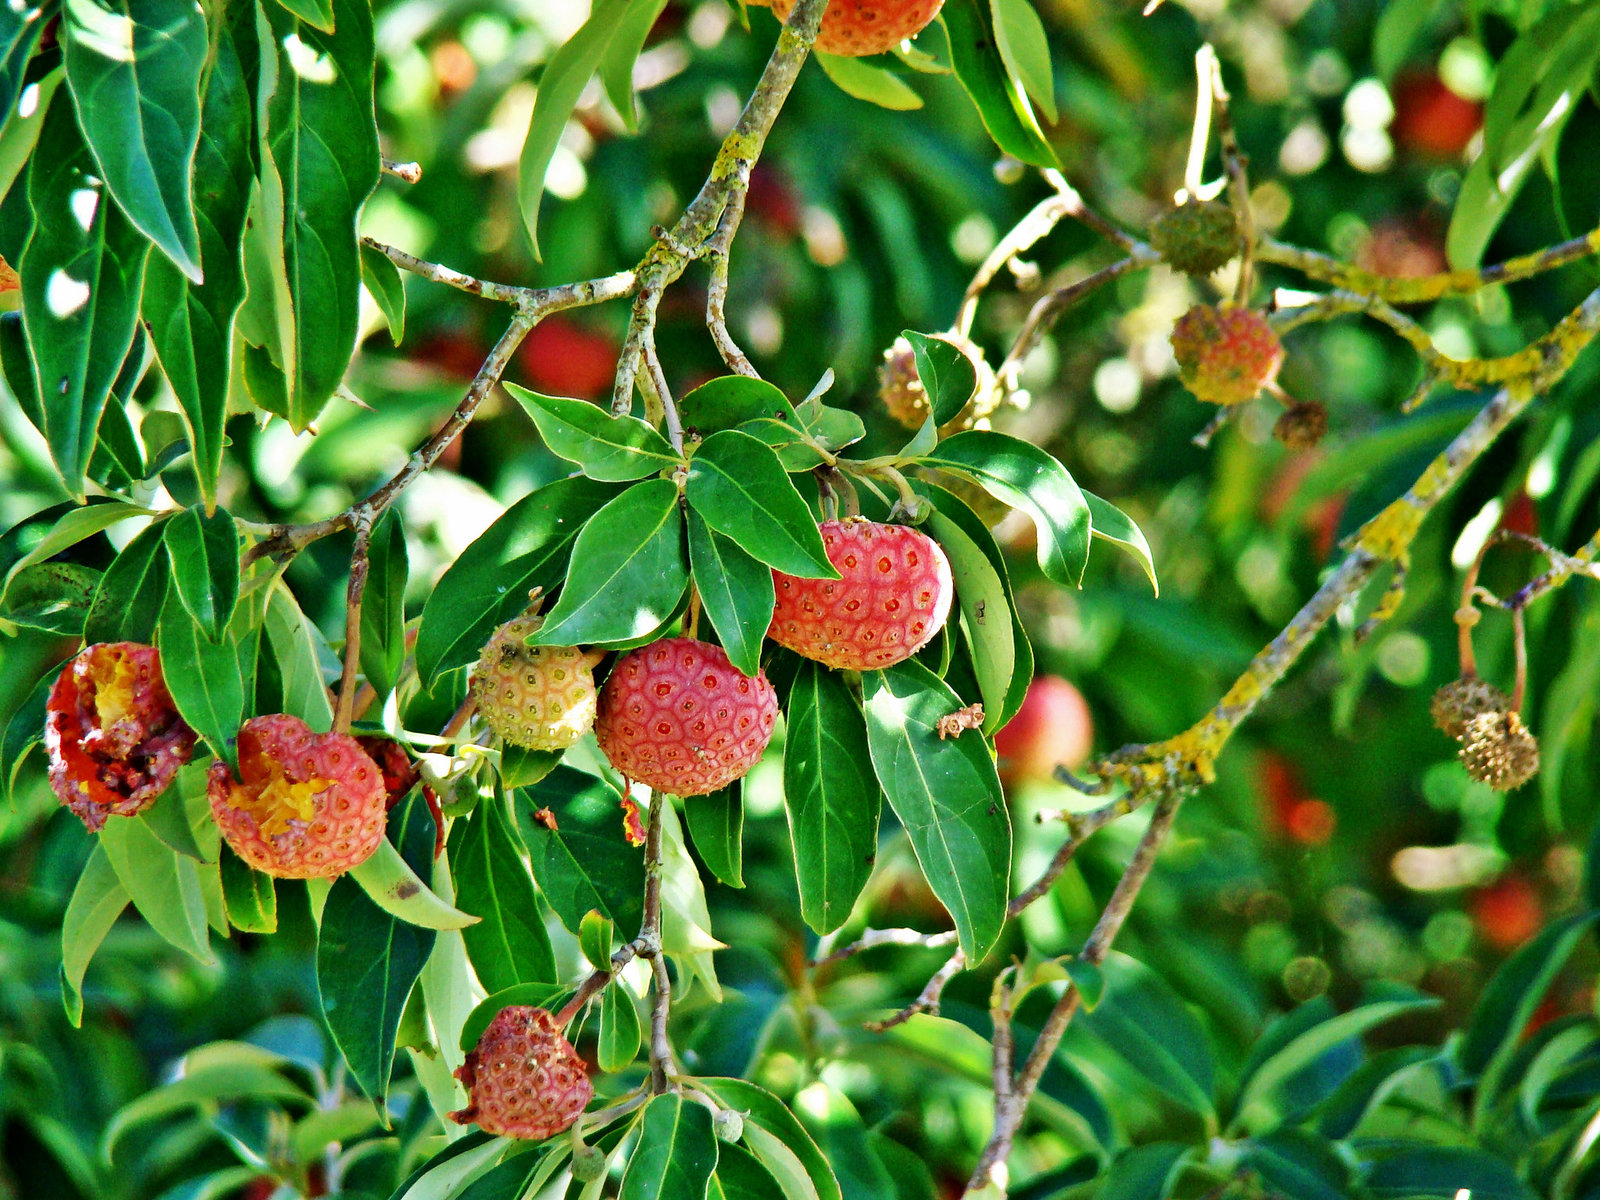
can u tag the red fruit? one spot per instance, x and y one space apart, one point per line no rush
1430 120
523 1078
892 596
1225 355
857 27
565 359
1052 726
1508 912
113 735
306 806
399 772
678 716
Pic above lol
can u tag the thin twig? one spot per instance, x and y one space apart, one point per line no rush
360 564
718 251
1047 308
661 1069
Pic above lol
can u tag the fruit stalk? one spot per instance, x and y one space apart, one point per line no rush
650 937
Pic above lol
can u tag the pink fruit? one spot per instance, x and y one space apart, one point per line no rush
306 805
892 597
678 716
1225 355
1052 726
523 1078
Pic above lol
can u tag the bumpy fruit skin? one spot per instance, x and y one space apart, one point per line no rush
113 735
678 716
1196 238
1302 426
1497 748
1225 355
1052 726
892 597
858 27
523 1078
900 388
306 805
540 697
1458 701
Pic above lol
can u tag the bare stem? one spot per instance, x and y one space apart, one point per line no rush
1045 311
360 563
650 946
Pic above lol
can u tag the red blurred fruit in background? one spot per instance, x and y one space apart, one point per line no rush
1052 726
1404 248
1431 121
773 200
1292 811
562 358
1508 912
1521 515
455 351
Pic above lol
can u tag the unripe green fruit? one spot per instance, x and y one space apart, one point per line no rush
728 1124
588 1164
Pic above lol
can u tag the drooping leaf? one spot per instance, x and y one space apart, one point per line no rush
616 66
765 1114
629 571
620 1032
322 142
387 288
509 944
250 895
293 642
52 597
24 731
368 960
865 81
134 67
975 55
676 1152
383 604
527 546
742 491
1019 33
203 677
205 566
1026 477
395 886
716 826
1110 523
986 612
81 273
947 796
736 592
97 901
948 375
608 448
584 863
830 795
163 884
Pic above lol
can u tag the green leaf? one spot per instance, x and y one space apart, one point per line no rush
240 1080
1396 32
985 613
321 162
833 1121
97 901
387 288
765 1114
383 604
134 67
1445 1172
948 376
509 944
163 885
250 895
292 639
1142 1019
128 602
24 731
832 428
520 766
526 547
203 677
191 325
536 995
52 597
1108 522
181 817
1004 109
205 567
716 826
866 82
740 1176
608 448
394 885
596 934
947 796
1025 51
1366 1087
81 273
731 400
563 81
318 12
620 1034
1142 1172
1025 477
676 1152
741 489
616 67
20 27
830 795
629 571
736 592
369 960
584 863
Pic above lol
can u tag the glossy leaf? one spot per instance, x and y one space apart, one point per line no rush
1445 1172
387 288
318 12
620 1031
1025 477
81 274
24 731
864 81
986 614
1142 1019
97 901
250 895
395 886
565 76
947 375
1110 523
322 145
730 400
205 567
765 1113
134 67
584 863
1019 33
947 796
369 960
834 1123
629 571
608 448
736 592
20 27
52 597
740 1176
293 641
191 325
526 547
616 67
69 524
509 944
716 826
830 795
676 1152
520 766
742 491
975 55
204 679
163 885
596 935
383 604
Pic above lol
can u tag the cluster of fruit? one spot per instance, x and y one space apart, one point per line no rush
1496 747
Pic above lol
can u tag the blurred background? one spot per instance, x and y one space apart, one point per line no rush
1342 846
